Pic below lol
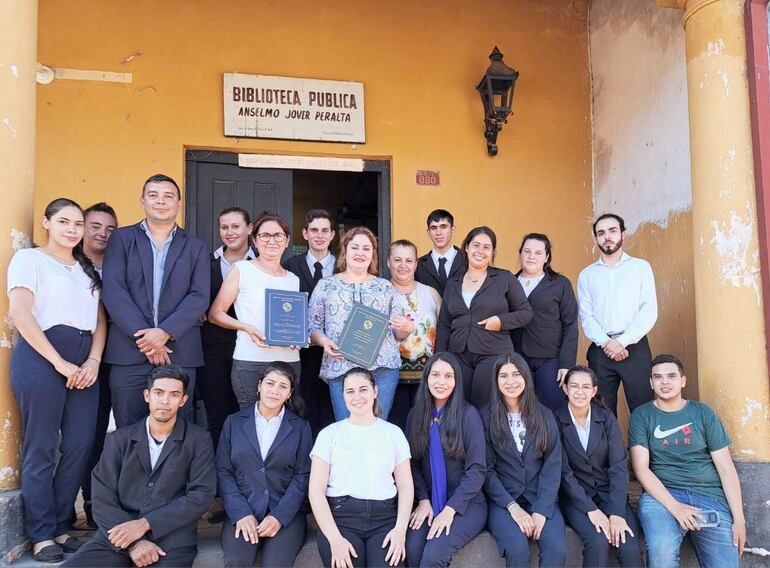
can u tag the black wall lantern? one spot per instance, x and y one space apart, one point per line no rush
496 90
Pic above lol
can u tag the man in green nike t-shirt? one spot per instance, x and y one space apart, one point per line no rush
680 454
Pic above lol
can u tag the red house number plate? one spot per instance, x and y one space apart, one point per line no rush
427 177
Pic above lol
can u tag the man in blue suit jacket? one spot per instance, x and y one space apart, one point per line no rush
156 288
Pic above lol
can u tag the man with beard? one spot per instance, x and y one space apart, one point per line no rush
618 308
152 483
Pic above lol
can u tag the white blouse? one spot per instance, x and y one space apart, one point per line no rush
62 293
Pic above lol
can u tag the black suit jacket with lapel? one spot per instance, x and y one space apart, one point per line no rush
500 295
278 485
598 474
464 478
172 496
553 331
128 295
533 474
426 272
297 264
213 336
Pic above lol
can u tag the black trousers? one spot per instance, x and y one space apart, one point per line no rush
596 549
514 545
280 550
364 523
215 387
477 377
127 384
439 551
402 403
99 552
102 423
633 372
58 426
314 391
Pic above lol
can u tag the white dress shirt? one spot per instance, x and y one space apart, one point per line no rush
617 302
155 448
267 429
582 431
448 255
224 265
327 264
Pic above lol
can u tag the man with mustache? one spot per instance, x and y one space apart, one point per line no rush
618 308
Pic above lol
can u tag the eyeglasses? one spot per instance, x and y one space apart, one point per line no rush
277 237
574 387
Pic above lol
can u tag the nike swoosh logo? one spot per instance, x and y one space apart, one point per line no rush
660 434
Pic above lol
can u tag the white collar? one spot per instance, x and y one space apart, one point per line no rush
325 261
623 258
220 253
449 255
260 418
576 423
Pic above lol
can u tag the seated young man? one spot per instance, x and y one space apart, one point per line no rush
680 455
154 480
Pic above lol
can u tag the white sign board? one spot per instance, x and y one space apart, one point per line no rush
266 106
300 162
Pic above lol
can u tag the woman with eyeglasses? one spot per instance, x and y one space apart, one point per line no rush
245 287
479 309
594 483
523 468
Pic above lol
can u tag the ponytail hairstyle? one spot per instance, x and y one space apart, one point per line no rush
597 400
294 402
369 377
533 414
421 415
77 252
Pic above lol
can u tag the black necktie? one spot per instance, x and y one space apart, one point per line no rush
318 273
442 270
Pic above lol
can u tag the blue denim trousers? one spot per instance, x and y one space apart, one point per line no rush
386 381
663 535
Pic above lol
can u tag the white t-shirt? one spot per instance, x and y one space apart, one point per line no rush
362 459
250 309
62 293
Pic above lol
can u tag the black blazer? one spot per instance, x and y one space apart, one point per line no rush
500 295
172 497
212 335
531 474
276 486
426 272
600 473
127 295
553 331
464 479
297 264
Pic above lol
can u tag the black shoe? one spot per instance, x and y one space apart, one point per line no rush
71 545
50 553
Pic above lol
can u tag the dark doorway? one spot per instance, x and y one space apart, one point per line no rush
215 181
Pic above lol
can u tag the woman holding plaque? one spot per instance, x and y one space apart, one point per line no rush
332 303
263 468
245 287
523 467
478 312
361 487
420 304
446 437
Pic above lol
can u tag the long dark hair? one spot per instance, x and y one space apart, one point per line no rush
421 416
597 400
543 238
294 402
484 230
533 414
77 252
369 377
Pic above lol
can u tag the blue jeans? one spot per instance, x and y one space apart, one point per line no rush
386 381
663 535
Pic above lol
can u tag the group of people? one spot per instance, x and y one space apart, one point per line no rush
473 415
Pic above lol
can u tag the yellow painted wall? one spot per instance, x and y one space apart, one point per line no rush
419 62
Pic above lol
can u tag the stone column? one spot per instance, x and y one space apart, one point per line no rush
732 342
18 57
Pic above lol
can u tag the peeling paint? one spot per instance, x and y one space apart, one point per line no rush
748 410
19 240
716 47
7 123
15 71
5 343
725 81
8 474
748 452
733 243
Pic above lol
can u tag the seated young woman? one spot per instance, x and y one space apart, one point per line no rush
361 487
594 484
523 468
449 466
263 469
